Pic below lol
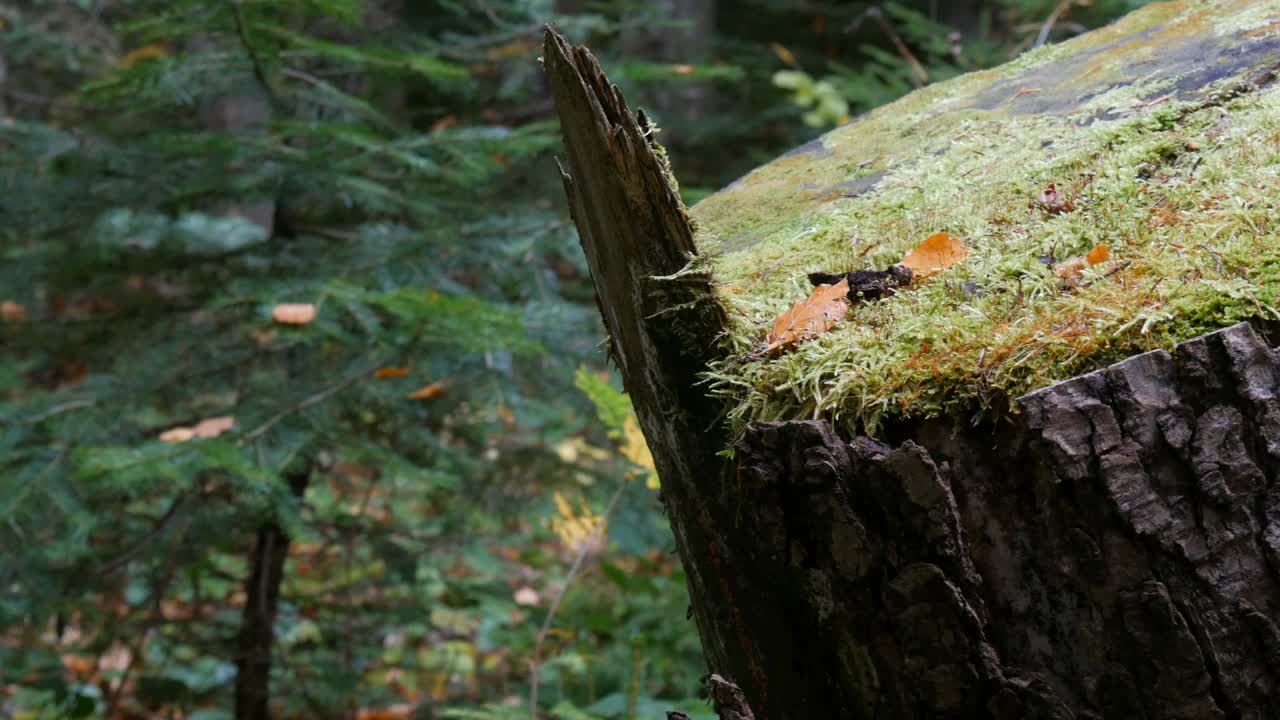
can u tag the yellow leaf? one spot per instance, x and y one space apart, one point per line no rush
935 254
812 316
294 313
577 526
390 372
146 52
636 450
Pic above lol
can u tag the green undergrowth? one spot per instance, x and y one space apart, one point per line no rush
1182 192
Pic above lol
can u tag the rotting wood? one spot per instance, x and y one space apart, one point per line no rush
664 321
1114 554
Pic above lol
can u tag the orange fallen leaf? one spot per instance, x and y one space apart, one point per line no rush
1099 254
80 666
812 316
294 313
12 312
935 254
390 372
429 392
1070 270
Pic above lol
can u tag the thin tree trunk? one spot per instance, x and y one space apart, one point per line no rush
257 626
244 111
684 37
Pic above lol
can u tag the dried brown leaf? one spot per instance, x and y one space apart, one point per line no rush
814 315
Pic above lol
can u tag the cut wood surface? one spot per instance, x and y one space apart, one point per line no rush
1156 138
917 521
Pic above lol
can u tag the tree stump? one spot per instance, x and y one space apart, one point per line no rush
1107 546
1114 554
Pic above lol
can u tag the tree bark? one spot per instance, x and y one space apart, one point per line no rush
257 626
1114 554
246 110
1110 551
663 318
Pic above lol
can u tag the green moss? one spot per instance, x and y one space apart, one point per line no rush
1182 191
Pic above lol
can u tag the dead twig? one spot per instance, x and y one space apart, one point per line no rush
921 76
1047 28
1021 92
308 402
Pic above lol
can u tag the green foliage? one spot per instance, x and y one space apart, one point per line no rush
828 106
613 407
171 171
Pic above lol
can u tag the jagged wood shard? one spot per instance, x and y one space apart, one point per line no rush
1110 549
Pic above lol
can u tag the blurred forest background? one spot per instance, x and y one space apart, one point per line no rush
303 406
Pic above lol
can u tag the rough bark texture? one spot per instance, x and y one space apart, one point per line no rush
1113 551
1114 554
663 320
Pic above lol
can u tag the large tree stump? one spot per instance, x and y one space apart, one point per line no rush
1115 554
1108 547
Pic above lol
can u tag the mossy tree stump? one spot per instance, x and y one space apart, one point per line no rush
1017 500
